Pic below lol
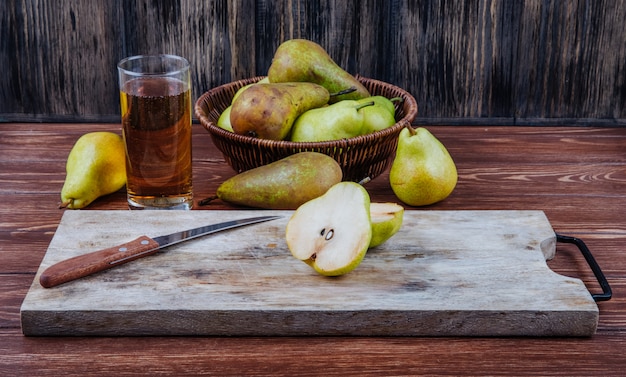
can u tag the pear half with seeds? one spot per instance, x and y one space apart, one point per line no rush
386 221
332 233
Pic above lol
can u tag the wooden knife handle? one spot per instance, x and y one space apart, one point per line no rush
87 264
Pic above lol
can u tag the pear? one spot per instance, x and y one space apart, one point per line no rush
307 61
387 103
341 120
386 221
96 166
379 116
332 233
267 111
265 80
283 184
422 171
224 120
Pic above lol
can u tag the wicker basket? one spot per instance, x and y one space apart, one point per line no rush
360 157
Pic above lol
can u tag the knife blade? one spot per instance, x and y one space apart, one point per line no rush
90 263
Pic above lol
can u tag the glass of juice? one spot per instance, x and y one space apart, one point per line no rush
155 99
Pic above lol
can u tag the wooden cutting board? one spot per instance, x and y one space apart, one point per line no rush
445 273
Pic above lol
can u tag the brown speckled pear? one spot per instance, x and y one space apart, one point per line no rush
283 184
304 60
267 111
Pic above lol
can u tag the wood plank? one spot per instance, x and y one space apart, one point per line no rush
534 62
13 289
57 57
334 356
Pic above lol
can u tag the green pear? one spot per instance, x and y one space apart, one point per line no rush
304 60
283 184
422 171
341 120
96 166
332 233
379 116
224 120
387 220
268 111
386 103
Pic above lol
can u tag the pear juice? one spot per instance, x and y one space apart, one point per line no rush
156 125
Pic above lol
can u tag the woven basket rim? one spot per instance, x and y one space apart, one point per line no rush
409 116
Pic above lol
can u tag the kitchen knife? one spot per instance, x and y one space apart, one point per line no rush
87 264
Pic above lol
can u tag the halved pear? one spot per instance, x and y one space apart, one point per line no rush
386 221
332 233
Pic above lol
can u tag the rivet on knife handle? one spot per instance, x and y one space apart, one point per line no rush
87 264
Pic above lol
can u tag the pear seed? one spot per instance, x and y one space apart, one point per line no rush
329 235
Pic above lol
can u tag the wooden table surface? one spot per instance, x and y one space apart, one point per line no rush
576 175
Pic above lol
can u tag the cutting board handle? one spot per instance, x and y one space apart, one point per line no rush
591 261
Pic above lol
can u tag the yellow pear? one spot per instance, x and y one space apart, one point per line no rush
96 166
422 171
386 221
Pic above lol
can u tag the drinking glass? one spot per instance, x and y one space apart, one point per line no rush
155 99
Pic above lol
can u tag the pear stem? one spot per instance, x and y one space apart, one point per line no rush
364 180
208 200
411 129
366 104
65 204
345 91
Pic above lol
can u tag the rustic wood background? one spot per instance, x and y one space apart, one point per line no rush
534 62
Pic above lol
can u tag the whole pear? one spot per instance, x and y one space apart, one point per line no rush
379 116
341 120
265 80
224 119
267 111
96 166
283 184
422 171
386 103
304 60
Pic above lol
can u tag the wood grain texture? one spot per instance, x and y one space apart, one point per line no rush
579 184
466 62
445 273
